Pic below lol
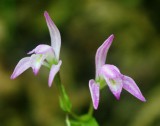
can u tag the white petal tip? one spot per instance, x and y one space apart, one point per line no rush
117 97
29 53
95 104
112 35
142 99
116 94
35 72
12 77
49 84
95 107
110 38
46 13
50 81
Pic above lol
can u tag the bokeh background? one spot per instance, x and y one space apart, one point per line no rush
84 25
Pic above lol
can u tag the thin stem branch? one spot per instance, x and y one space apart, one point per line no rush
75 116
90 110
61 91
59 84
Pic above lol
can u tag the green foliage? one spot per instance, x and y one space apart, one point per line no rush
84 121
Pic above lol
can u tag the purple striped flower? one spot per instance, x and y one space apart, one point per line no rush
43 54
110 75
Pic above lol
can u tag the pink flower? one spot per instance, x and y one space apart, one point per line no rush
110 75
43 54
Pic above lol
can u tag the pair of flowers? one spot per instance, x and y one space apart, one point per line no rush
106 74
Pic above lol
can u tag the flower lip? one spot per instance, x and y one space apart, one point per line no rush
112 76
115 86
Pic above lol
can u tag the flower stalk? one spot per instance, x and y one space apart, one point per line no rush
65 102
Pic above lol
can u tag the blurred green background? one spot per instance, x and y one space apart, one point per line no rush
84 25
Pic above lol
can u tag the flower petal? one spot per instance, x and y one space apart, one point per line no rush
54 33
112 76
130 85
36 62
22 65
53 72
94 90
102 53
41 49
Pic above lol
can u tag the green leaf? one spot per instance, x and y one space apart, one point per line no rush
87 122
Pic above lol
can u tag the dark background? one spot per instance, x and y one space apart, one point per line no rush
84 25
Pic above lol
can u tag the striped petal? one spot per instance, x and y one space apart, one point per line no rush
102 53
53 72
22 65
94 90
54 34
130 86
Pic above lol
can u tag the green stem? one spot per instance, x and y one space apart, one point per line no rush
64 96
66 104
75 116
59 84
90 111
